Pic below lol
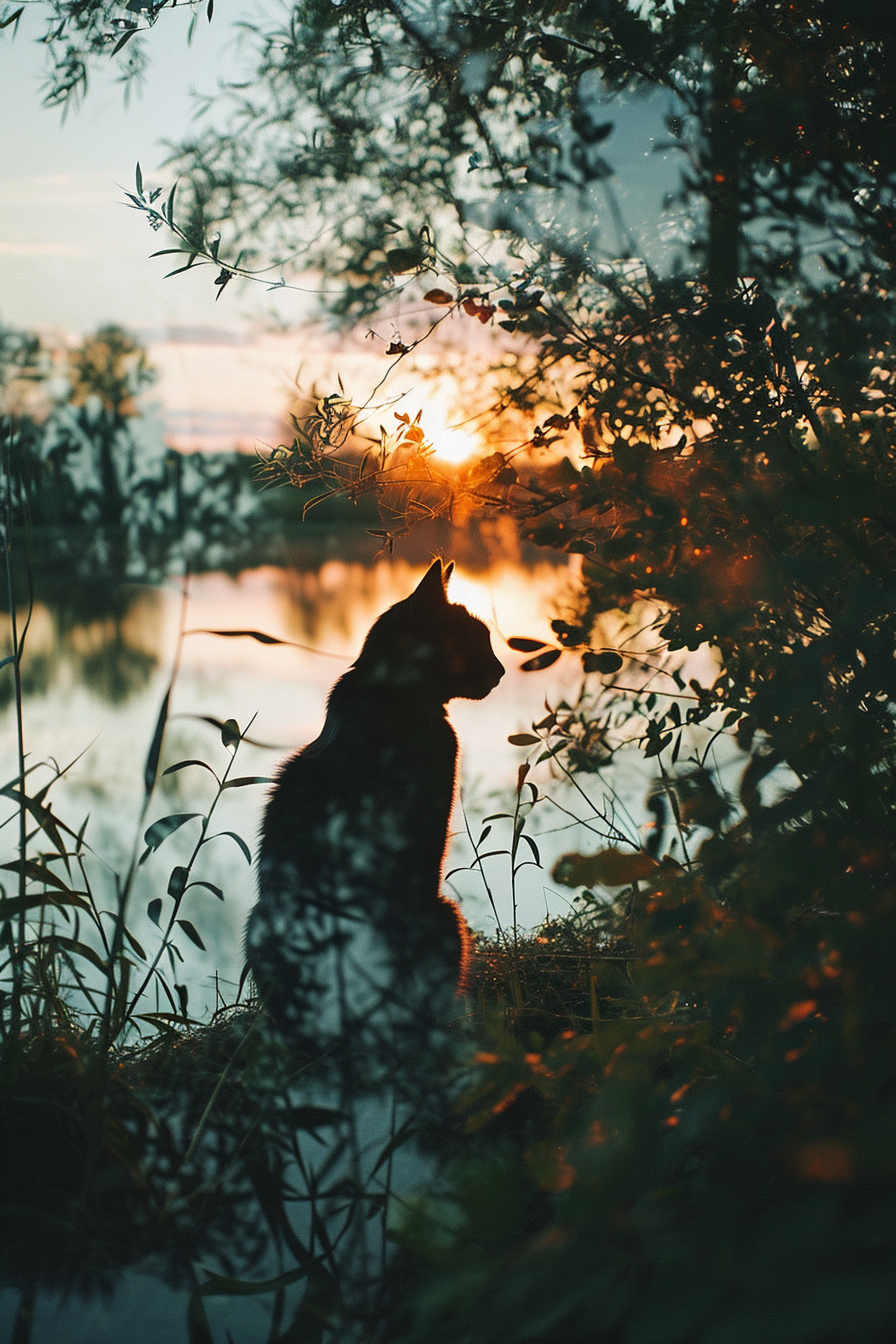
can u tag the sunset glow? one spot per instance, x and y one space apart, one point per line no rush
454 445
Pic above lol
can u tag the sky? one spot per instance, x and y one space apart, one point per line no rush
73 255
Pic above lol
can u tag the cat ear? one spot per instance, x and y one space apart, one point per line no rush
447 572
432 586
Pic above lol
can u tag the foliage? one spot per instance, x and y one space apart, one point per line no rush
732 398
713 1161
80 34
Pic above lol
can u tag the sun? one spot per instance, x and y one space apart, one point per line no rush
452 446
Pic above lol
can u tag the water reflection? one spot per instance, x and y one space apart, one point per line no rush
106 640
96 670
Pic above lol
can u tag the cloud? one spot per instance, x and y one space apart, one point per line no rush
41 250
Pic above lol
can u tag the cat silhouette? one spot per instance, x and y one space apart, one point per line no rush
351 944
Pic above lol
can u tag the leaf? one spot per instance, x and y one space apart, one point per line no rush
610 867
437 296
525 645
165 826
233 836
78 950
221 1285
38 872
134 944
216 891
486 832
198 1329
180 269
154 910
606 662
230 732
209 10
49 824
192 933
541 661
217 723
162 1019
534 848
125 37
403 259
400 1137
138 178
312 1117
13 906
182 765
241 634
12 18
247 779
177 882
523 740
155 747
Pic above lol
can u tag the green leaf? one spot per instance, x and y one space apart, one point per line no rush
77 949
192 933
238 839
125 37
523 740
247 779
138 177
217 723
210 886
532 845
177 882
38 900
134 944
38 872
230 733
182 765
165 826
219 1285
49 824
154 909
150 770
198 1329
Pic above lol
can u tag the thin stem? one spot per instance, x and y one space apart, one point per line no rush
18 957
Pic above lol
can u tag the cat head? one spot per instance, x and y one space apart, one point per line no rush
429 645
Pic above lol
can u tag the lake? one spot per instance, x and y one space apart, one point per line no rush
95 680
